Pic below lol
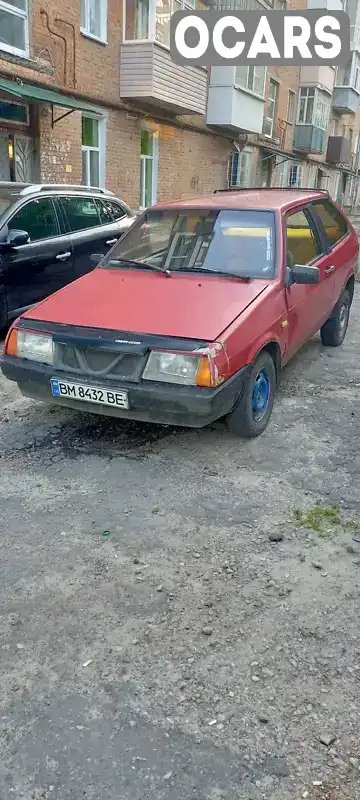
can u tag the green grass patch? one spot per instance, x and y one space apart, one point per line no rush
317 518
351 549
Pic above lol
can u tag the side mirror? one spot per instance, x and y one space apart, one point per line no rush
301 273
17 238
95 258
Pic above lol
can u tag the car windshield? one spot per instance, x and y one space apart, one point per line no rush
234 242
5 202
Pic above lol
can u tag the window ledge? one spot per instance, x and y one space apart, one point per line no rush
26 61
248 91
94 38
13 51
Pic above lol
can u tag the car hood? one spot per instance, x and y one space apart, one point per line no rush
186 306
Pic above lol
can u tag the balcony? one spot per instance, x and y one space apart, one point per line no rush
345 99
233 107
148 76
309 139
338 150
321 76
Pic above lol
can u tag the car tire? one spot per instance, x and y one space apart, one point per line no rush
252 411
333 332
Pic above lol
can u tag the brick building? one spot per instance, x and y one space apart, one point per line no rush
89 94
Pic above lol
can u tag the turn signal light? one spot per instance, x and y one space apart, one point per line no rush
204 376
10 348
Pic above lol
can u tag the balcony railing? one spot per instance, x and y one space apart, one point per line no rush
309 139
345 99
231 104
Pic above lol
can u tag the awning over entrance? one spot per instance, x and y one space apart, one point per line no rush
28 91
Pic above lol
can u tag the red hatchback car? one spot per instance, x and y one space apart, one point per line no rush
193 313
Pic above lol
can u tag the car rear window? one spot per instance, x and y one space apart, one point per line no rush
334 223
109 211
240 242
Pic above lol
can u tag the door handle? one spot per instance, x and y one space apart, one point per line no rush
329 269
110 242
63 256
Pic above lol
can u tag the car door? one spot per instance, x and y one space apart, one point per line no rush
340 245
308 305
87 232
33 271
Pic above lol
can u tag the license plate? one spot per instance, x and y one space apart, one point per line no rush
89 394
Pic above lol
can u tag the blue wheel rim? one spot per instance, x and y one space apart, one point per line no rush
260 395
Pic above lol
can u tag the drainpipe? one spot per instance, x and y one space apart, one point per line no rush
70 25
44 13
356 177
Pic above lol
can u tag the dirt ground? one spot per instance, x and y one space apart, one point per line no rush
185 654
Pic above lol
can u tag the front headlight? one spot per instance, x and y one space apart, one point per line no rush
35 347
172 368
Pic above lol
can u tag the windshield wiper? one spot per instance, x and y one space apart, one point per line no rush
199 270
129 263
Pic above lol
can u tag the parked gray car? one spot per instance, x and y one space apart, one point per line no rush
47 235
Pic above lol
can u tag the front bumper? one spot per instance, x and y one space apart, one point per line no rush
161 403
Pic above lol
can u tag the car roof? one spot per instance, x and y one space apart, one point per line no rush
27 190
264 199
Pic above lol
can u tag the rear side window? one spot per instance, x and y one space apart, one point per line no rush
109 211
80 213
302 242
334 222
37 218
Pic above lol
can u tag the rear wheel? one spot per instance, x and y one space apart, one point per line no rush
333 332
253 410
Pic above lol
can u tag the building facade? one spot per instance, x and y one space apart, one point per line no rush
89 94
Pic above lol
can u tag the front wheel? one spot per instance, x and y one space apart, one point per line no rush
252 412
333 332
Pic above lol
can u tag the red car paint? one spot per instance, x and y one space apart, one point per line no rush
242 316
191 306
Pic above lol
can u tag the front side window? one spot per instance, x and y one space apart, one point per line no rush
14 37
236 242
302 242
81 213
270 111
37 218
94 18
334 223
251 78
148 168
92 151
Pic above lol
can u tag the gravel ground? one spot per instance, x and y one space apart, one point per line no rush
219 658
